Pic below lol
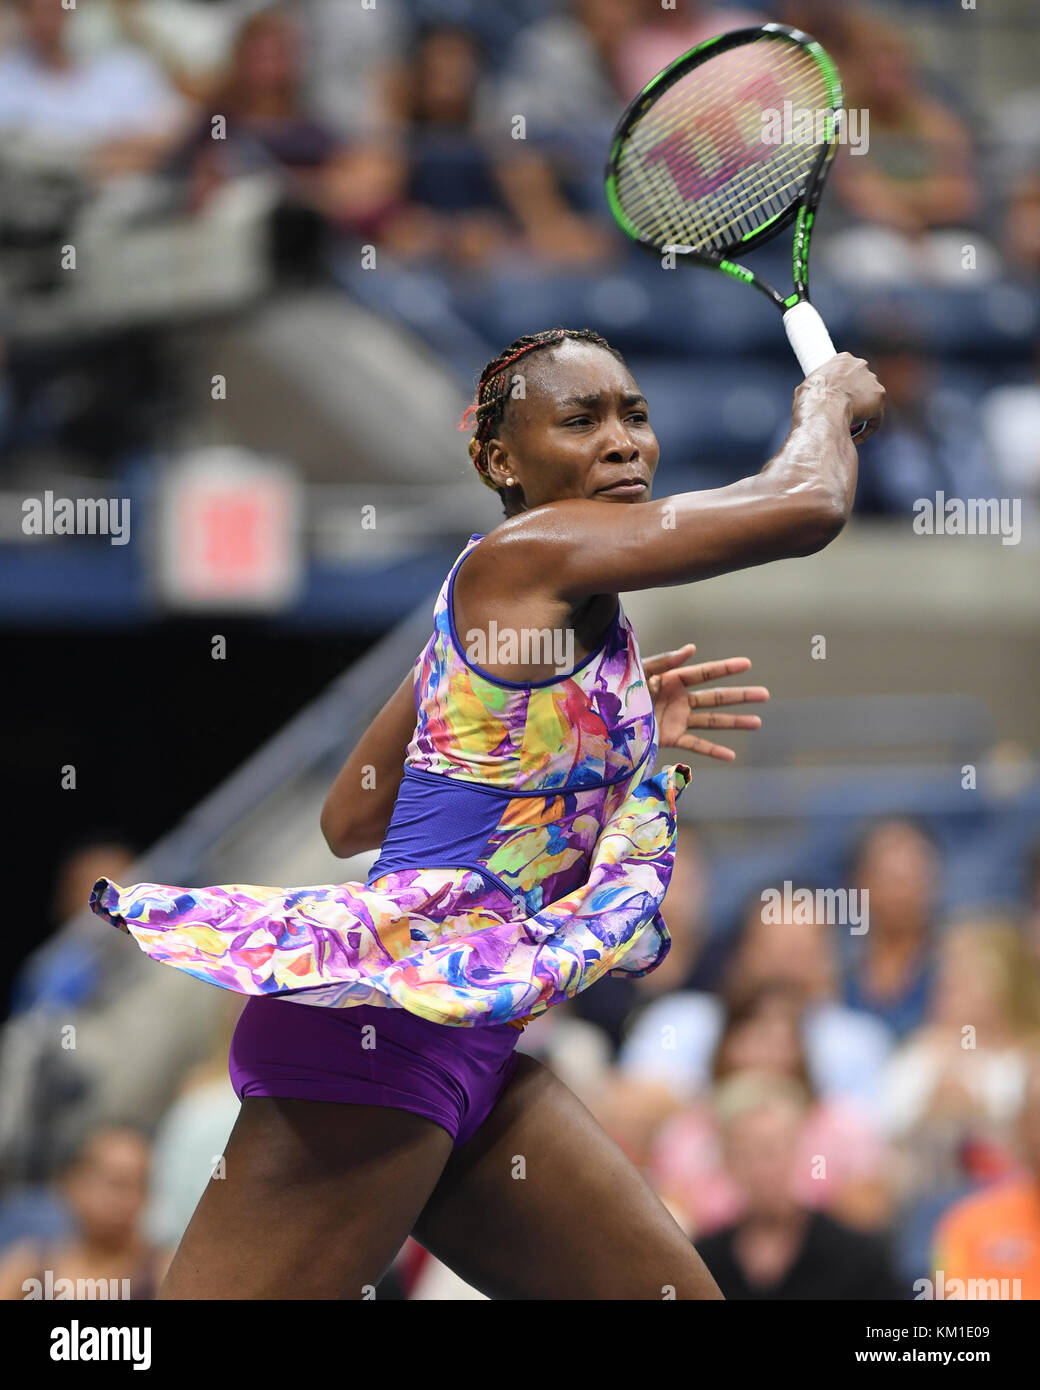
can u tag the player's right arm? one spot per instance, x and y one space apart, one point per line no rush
795 506
357 810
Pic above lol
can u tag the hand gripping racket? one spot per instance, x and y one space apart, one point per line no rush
725 148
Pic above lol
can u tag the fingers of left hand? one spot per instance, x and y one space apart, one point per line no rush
724 721
710 750
728 695
666 661
713 670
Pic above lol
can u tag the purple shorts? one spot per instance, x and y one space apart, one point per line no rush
453 1076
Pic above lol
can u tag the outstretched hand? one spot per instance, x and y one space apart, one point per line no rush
680 707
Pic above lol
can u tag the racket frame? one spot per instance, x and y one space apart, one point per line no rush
801 210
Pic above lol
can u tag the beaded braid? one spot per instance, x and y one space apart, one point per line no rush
486 413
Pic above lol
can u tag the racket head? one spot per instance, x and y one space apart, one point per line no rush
689 169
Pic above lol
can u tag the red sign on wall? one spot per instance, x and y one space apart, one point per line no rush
229 532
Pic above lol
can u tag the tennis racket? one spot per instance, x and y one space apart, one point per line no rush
725 148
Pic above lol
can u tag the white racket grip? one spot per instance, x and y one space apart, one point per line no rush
808 336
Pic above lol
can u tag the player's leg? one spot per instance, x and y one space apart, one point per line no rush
316 1199
541 1203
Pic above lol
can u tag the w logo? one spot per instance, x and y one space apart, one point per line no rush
711 149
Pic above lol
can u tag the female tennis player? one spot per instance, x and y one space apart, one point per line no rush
526 845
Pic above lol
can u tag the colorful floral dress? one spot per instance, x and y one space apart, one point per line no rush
530 847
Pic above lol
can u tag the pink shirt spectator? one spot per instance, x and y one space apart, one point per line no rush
687 1164
653 46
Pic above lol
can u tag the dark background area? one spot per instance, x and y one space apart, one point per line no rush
151 723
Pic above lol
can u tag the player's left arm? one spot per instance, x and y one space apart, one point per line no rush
357 810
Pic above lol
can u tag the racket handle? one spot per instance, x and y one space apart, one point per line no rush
808 336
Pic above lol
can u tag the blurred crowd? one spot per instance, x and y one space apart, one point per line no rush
829 1112
470 140
466 142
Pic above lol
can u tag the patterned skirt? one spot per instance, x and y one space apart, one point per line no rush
442 943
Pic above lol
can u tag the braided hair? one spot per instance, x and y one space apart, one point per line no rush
494 390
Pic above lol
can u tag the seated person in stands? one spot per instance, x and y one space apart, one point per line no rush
916 197
480 192
954 1090
113 113
258 121
673 1041
933 442
995 1234
65 972
890 967
778 1248
764 1034
105 1186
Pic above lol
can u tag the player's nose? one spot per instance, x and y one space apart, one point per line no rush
619 445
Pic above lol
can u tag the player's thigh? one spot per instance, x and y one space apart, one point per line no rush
542 1203
315 1200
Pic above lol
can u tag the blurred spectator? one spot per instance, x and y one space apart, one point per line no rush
570 76
478 195
351 52
267 124
191 1136
114 113
1013 149
916 193
191 39
665 34
995 1234
836 27
778 1248
460 210
1010 417
1032 922
841 1164
932 441
33 1212
65 973
673 1041
105 1186
94 1029
1022 224
267 128
890 967
6 401
954 1089
562 74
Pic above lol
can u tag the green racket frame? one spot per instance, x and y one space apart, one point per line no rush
802 210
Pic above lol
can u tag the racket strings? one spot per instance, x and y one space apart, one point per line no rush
696 168
695 117
653 203
733 211
750 192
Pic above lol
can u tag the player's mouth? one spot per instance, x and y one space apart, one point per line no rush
624 487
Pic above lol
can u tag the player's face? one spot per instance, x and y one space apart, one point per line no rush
577 427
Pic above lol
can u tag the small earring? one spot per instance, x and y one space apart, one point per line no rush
510 482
